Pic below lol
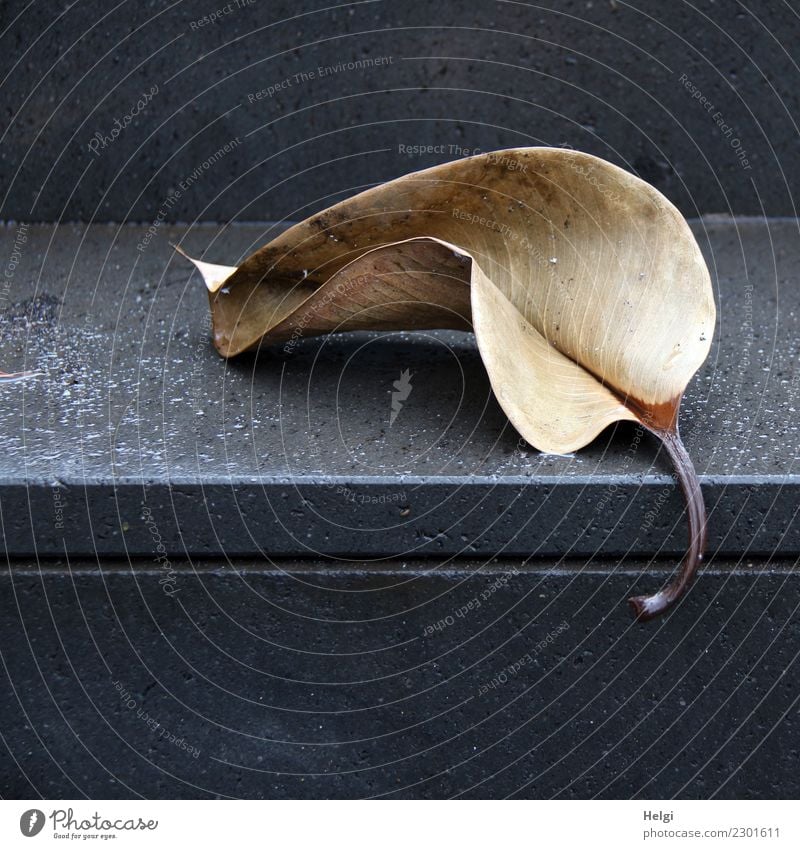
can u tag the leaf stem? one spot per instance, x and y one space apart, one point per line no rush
648 607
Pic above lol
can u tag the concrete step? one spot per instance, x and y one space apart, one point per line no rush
139 435
240 679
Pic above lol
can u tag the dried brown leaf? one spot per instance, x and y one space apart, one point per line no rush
590 300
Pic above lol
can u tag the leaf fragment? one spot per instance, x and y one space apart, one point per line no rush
18 376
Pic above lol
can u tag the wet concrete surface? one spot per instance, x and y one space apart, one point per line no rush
422 659
303 103
412 682
136 431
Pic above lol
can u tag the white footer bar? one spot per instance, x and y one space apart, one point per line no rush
401 824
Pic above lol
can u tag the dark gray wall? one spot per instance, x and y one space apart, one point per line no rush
622 80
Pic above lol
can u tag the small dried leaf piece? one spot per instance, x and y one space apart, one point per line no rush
18 376
590 300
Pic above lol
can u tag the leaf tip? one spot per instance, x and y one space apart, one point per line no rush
214 276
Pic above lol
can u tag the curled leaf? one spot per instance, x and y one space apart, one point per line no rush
587 292
417 284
